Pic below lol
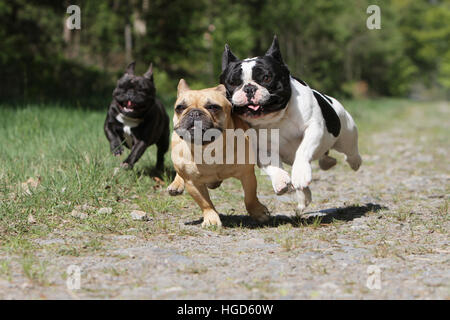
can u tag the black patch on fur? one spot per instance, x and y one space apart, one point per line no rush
300 80
328 98
331 118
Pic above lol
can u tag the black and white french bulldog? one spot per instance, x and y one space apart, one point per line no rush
137 118
266 96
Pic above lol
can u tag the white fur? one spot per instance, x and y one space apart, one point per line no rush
304 138
128 123
247 66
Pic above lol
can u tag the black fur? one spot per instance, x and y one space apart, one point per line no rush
134 97
332 121
328 98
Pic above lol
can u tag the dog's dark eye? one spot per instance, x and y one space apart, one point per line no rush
180 108
213 107
267 78
235 79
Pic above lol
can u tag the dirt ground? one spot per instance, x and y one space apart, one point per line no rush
379 233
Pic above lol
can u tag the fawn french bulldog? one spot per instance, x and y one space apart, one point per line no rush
197 114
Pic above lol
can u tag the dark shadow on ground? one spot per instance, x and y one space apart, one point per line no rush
317 217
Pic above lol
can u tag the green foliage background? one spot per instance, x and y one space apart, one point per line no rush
324 42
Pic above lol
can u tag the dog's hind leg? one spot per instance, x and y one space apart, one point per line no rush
214 185
348 145
326 162
354 161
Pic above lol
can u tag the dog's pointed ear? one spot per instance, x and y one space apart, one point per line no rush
130 68
149 73
182 87
274 50
221 88
227 57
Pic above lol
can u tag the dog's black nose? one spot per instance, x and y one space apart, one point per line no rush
195 113
250 90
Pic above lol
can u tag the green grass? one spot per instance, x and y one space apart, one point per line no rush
66 151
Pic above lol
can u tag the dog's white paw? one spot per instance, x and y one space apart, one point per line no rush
176 188
354 162
211 219
126 166
281 182
301 175
304 199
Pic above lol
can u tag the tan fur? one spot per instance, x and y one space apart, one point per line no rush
198 177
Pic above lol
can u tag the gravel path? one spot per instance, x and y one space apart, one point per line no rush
380 233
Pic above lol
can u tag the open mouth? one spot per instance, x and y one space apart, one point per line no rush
254 107
128 106
250 110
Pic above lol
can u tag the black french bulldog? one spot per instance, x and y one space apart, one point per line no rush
137 118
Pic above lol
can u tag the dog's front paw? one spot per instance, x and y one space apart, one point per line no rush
281 182
176 187
259 212
117 151
304 199
211 218
126 166
301 175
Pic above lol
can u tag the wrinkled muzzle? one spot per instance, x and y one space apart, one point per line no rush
197 127
250 98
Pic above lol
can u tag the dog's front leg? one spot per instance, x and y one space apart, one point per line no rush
269 161
113 138
201 195
281 181
177 186
301 169
256 210
136 153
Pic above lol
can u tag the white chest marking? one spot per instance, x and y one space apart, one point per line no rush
128 123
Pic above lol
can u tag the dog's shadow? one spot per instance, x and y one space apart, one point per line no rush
325 216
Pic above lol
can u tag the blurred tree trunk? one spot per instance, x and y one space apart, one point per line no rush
128 43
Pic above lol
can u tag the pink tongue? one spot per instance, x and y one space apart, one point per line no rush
129 103
254 108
